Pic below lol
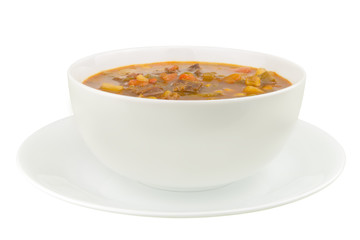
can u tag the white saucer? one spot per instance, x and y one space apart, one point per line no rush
56 159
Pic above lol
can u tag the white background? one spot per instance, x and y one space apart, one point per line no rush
40 39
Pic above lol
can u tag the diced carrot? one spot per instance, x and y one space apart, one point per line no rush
134 82
152 80
243 70
187 76
168 77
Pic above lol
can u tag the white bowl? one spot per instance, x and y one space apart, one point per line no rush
185 144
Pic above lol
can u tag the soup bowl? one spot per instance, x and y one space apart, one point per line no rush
185 145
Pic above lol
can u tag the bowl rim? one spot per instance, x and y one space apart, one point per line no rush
205 101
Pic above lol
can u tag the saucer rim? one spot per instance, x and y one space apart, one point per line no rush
187 214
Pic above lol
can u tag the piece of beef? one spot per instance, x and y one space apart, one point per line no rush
149 91
197 73
172 69
186 86
132 75
194 67
120 80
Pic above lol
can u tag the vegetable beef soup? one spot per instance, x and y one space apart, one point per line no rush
187 81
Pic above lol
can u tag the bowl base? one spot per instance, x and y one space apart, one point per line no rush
175 189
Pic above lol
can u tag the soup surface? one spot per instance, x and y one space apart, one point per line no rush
187 81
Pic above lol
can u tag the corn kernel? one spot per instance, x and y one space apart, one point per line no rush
219 92
208 85
267 87
252 90
141 78
240 95
111 87
229 89
167 93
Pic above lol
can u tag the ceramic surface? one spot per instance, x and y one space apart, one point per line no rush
57 160
185 145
